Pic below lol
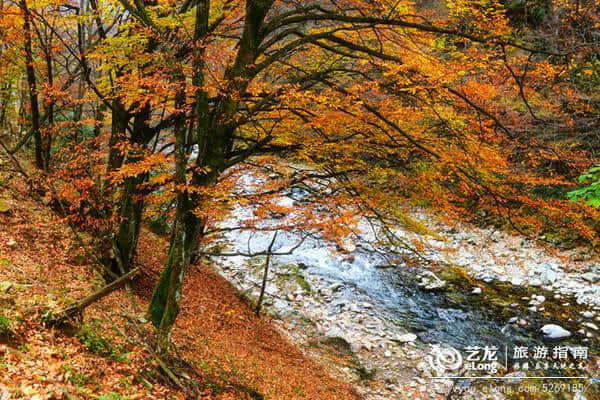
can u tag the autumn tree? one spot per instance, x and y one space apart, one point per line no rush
365 89
365 103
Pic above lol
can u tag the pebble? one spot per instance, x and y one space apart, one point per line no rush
407 337
588 314
552 331
535 282
590 325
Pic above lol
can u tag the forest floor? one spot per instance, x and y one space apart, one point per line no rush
218 341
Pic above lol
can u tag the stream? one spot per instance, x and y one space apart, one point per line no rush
392 316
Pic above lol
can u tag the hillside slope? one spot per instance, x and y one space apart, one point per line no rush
222 351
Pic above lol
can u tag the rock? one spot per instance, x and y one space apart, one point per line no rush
513 320
590 325
354 308
536 282
334 332
549 276
429 281
552 331
355 347
407 337
12 243
334 287
516 281
588 314
476 290
591 277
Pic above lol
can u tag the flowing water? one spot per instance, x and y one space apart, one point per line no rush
451 315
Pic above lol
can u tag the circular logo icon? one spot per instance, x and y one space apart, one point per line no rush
445 359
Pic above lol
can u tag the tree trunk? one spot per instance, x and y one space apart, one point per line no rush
164 305
47 140
130 214
120 119
214 138
265 276
31 81
132 203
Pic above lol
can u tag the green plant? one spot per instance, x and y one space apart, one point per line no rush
77 378
93 340
4 325
298 390
112 396
23 347
591 192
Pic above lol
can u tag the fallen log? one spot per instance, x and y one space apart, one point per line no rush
77 308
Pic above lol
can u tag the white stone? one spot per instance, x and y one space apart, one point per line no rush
407 337
588 314
590 325
552 331
536 282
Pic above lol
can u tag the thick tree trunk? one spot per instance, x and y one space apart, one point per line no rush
47 140
164 305
31 81
120 119
214 138
130 214
131 206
